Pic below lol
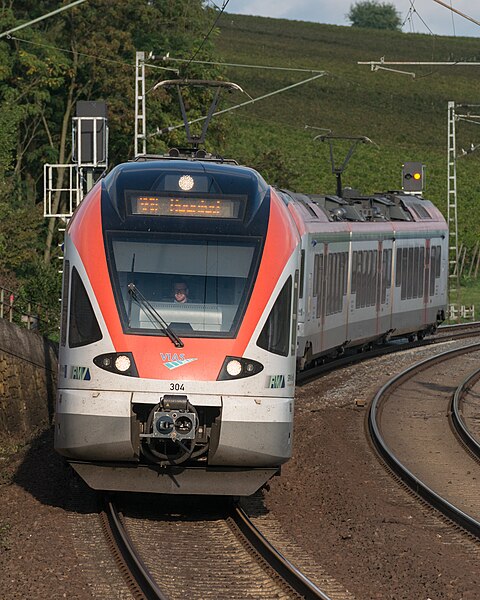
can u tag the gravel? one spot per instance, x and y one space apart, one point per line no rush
334 499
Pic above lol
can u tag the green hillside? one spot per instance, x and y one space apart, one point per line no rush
406 117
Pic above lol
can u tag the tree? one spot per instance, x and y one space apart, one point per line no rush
86 53
276 168
374 15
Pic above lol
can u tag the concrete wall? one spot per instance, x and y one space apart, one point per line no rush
28 379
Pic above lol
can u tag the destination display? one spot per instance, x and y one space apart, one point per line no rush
220 207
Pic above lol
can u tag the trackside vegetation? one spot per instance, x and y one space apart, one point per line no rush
88 53
404 116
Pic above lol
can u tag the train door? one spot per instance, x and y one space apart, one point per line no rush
410 279
334 306
435 297
384 287
364 296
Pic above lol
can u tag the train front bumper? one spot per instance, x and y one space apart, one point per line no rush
101 426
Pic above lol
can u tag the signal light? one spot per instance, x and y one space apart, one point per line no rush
412 177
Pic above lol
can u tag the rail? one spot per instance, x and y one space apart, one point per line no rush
433 498
25 312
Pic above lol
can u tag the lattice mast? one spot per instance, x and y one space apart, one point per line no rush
140 116
452 214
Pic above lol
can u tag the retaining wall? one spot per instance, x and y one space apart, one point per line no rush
28 379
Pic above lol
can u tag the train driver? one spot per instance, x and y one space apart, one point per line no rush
180 292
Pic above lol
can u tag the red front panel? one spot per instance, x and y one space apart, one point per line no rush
86 233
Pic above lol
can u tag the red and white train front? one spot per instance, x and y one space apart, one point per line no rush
178 338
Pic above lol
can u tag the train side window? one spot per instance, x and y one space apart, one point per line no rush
343 280
359 268
302 274
293 336
426 277
84 328
354 272
421 267
375 280
398 268
328 290
410 276
389 267
386 273
65 286
438 261
433 257
404 273
320 289
275 335
315 274
416 268
363 278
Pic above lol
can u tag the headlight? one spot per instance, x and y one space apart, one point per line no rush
235 367
122 363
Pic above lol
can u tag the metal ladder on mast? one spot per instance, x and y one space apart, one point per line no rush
452 219
140 117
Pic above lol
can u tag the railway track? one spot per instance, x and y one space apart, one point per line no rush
230 540
409 422
197 553
445 333
465 410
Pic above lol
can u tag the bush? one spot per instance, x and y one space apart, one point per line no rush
374 15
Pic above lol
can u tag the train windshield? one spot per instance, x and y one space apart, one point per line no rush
198 287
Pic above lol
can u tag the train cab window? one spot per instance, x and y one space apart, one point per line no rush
83 325
275 335
217 276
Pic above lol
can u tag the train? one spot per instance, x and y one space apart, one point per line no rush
193 293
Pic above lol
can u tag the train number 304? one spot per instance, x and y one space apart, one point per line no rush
177 387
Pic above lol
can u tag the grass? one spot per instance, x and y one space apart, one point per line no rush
470 295
405 117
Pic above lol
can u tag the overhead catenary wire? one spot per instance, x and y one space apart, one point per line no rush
37 20
410 13
458 12
167 57
453 20
95 56
224 6
247 102
413 11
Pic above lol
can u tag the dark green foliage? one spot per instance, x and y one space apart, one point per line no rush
277 168
85 53
374 15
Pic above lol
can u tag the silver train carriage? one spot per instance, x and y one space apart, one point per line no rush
372 268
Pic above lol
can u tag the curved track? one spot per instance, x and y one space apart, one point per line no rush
409 424
464 413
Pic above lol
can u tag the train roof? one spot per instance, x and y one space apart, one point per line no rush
389 206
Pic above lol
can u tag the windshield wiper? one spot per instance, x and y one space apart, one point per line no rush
153 314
